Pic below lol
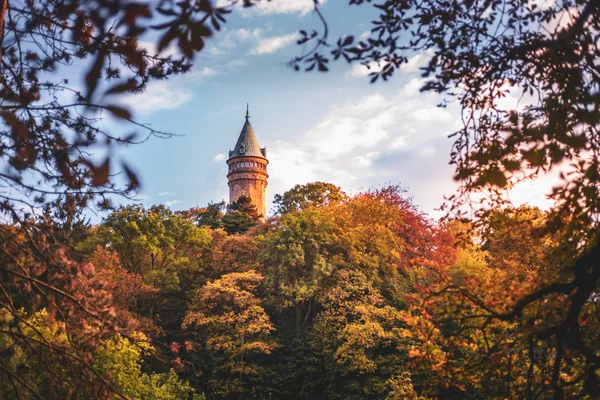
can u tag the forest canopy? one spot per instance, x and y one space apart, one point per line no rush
336 296
357 296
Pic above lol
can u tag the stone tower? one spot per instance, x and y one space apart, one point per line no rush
248 169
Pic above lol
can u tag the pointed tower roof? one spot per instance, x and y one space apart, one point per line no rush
247 144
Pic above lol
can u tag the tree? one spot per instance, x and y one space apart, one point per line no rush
242 216
168 252
234 253
228 311
515 239
461 340
48 120
476 52
154 243
37 273
122 359
131 296
211 215
357 332
50 127
338 276
300 197
117 360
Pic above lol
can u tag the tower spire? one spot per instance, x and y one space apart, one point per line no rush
247 110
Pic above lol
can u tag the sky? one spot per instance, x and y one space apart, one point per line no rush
334 127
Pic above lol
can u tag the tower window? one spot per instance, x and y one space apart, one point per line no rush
242 149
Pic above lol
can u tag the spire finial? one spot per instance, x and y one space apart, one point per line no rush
247 110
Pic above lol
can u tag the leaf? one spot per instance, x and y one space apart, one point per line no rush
535 157
186 47
130 85
131 176
495 177
161 26
92 77
576 141
168 37
130 137
511 165
166 12
100 174
119 111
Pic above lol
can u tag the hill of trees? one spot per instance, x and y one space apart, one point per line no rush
336 297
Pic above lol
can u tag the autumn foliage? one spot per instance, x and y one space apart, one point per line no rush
361 296
337 296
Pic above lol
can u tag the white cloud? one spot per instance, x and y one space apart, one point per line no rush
166 194
247 34
412 88
367 159
362 70
415 63
432 113
206 71
171 203
397 138
302 7
411 66
399 142
229 39
161 95
235 40
542 4
427 151
272 44
287 6
219 157
170 94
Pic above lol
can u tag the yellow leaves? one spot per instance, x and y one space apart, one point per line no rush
229 315
414 352
406 334
401 388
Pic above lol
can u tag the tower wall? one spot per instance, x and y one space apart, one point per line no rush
248 175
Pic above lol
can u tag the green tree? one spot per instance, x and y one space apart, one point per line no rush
155 243
118 362
122 360
300 197
242 216
211 215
